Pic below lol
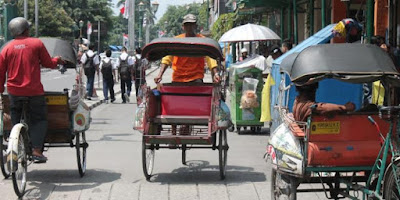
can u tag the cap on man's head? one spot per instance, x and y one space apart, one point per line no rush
189 18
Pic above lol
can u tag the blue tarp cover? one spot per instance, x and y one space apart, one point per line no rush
331 91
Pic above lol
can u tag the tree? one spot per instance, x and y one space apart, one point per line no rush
53 20
171 21
223 24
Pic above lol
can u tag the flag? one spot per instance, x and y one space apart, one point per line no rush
126 9
125 39
161 33
122 10
89 28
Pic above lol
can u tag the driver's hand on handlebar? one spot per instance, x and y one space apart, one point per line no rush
217 78
157 79
350 106
60 60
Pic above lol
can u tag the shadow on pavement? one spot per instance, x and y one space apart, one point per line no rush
199 171
44 182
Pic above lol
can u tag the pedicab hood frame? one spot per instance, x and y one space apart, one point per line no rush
184 47
354 63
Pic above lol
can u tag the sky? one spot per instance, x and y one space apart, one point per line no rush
162 8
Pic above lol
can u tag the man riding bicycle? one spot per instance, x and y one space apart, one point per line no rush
188 69
20 62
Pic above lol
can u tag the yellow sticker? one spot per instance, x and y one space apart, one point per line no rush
56 100
332 127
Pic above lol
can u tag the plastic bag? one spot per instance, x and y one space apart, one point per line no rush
224 115
249 96
138 123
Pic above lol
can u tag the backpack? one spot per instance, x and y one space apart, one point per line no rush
106 70
88 66
124 69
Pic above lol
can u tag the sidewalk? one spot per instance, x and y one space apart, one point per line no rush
96 101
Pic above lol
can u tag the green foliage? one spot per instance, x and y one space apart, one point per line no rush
171 21
53 20
223 24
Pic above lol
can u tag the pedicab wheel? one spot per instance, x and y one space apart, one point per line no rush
81 147
184 154
277 181
391 191
3 158
147 159
223 153
19 176
253 129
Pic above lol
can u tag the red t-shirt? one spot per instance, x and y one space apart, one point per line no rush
21 59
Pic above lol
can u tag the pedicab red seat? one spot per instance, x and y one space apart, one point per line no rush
344 140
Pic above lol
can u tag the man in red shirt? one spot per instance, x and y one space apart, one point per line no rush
20 62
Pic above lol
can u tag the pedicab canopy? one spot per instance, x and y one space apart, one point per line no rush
185 47
349 62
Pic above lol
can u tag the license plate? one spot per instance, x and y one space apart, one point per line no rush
332 127
56 100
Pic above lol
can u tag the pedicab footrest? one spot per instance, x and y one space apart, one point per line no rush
182 119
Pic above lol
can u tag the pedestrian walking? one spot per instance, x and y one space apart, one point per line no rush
108 79
90 63
140 67
125 70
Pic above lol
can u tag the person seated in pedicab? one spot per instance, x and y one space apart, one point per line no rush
305 103
187 69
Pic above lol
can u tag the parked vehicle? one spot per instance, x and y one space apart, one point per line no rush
359 149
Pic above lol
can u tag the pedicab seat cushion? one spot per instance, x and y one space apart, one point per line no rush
344 140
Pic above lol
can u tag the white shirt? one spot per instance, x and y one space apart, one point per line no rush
106 59
90 53
269 61
125 56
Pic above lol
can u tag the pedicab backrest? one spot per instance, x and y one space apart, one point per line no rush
59 124
345 140
186 100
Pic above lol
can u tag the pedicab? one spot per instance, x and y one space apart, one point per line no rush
245 87
182 115
68 118
353 155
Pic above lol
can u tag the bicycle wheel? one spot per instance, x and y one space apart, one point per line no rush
282 186
3 158
81 147
19 176
184 154
391 188
147 159
223 153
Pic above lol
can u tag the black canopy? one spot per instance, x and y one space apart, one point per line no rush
355 63
59 47
186 47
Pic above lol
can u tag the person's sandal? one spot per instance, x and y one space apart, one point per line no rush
39 159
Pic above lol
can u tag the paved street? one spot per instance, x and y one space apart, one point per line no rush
114 166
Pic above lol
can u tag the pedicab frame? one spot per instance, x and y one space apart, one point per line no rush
187 104
353 63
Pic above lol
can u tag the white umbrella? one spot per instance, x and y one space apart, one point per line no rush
249 32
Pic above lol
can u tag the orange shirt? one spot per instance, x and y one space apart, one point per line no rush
187 69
